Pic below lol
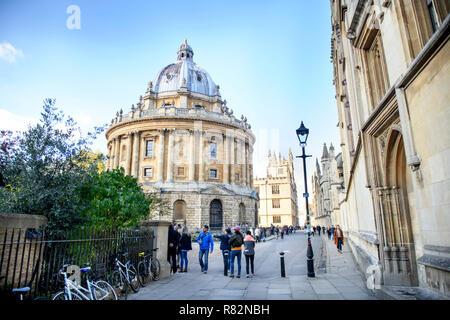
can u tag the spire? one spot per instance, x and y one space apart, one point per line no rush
325 151
317 167
331 150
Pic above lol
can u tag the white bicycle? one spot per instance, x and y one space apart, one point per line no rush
96 290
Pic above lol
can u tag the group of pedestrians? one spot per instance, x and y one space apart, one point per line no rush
179 244
232 245
334 234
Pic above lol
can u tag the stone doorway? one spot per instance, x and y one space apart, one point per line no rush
399 252
215 215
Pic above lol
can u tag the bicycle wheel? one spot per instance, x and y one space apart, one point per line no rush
119 284
143 272
155 268
104 291
132 278
61 295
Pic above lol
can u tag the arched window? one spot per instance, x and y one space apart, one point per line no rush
179 211
242 213
215 215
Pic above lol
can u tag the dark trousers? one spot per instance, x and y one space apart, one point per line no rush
252 259
173 256
339 244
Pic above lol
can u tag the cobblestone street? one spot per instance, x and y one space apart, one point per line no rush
336 275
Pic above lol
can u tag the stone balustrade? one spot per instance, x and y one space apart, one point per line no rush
172 111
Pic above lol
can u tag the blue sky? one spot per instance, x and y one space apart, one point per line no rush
270 58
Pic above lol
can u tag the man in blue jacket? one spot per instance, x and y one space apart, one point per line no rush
205 240
225 247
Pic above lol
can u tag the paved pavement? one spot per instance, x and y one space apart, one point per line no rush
336 275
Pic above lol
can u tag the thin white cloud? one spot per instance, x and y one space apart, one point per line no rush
9 53
10 121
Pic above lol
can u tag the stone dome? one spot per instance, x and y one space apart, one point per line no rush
171 77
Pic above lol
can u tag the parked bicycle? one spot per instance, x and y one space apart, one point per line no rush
149 267
124 276
96 290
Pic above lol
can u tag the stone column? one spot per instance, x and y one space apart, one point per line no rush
161 155
108 163
117 155
225 158
161 232
129 146
244 163
200 156
191 155
232 172
136 149
170 155
113 152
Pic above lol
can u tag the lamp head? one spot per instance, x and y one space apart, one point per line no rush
302 134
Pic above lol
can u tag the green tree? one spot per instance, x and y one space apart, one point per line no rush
114 200
42 171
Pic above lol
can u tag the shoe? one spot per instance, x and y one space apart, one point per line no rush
185 270
238 276
204 272
231 276
247 276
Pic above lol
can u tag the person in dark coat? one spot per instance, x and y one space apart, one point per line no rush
185 246
225 247
174 239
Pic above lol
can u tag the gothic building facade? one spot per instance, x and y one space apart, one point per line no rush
182 142
328 187
278 203
392 79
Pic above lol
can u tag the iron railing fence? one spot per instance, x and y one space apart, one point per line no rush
33 258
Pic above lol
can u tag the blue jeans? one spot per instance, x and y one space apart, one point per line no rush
339 245
184 259
229 258
234 254
200 259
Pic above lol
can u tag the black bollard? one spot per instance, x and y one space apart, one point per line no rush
225 269
283 272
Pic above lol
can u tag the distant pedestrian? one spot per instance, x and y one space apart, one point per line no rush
332 231
329 232
249 252
172 248
338 238
205 240
318 229
258 234
277 231
236 242
282 232
225 247
185 246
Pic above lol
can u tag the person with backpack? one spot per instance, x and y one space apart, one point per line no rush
205 241
225 247
249 252
185 246
236 242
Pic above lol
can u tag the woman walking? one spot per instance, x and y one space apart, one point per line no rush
338 238
235 242
249 252
185 246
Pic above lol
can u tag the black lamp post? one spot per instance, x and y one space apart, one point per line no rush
302 134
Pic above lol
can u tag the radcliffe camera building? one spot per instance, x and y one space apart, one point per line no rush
392 79
278 204
182 142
